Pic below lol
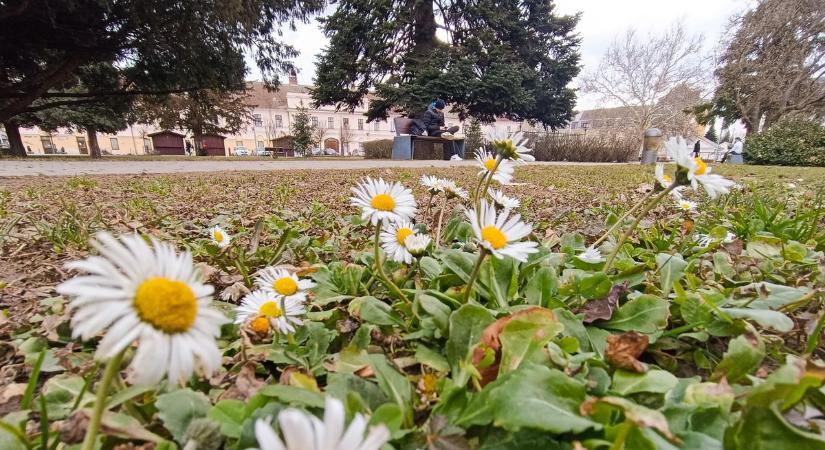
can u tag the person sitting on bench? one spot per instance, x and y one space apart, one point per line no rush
433 119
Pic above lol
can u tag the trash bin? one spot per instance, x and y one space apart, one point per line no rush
650 145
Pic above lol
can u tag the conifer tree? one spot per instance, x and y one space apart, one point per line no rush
510 58
711 133
303 132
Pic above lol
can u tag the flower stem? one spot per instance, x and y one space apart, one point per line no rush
474 274
112 369
623 237
440 220
379 266
624 216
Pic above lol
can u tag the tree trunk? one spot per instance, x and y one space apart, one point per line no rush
424 28
94 148
198 138
15 141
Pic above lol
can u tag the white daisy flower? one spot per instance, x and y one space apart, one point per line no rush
504 201
150 294
503 173
278 312
433 184
664 180
219 237
303 431
698 172
417 244
281 282
510 146
686 206
453 190
730 237
380 200
500 233
703 240
591 256
393 240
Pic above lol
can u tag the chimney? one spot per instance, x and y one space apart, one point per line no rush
293 78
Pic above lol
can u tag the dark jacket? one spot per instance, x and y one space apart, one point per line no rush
433 119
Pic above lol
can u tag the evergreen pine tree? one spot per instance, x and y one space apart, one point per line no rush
510 58
711 133
303 132
473 138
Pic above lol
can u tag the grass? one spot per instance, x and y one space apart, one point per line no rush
46 221
86 158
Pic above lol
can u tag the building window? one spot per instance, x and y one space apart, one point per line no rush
314 122
256 120
238 143
114 144
81 145
261 144
48 145
147 145
375 126
279 122
330 123
360 124
345 123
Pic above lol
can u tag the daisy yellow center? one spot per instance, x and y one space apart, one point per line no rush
685 205
494 236
217 235
271 309
285 286
667 179
260 325
401 235
701 167
383 202
490 164
168 305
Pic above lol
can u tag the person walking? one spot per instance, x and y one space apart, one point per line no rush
697 147
736 152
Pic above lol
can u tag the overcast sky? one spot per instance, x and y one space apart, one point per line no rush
601 22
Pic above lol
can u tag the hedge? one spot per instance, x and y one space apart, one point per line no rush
380 149
791 142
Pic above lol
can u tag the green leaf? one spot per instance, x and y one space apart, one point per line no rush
177 409
230 414
532 396
595 286
431 358
773 320
541 288
293 395
340 385
437 309
763 428
394 384
500 277
525 336
61 394
466 325
430 267
745 354
773 296
372 310
655 381
391 416
645 314
127 394
461 264
671 270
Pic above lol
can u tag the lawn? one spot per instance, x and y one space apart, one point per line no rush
679 344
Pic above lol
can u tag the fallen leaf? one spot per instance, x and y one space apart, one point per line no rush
623 351
604 308
246 383
234 292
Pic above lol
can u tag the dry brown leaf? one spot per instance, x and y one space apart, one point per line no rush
623 351
604 308
246 383
490 342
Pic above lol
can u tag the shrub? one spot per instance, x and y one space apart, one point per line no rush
583 147
791 142
380 149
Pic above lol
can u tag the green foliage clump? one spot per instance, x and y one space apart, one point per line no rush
792 142
378 149
303 132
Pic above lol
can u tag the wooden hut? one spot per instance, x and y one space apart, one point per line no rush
168 143
212 145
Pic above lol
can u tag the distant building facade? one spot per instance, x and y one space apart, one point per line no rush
272 118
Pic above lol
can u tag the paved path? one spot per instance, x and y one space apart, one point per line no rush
35 167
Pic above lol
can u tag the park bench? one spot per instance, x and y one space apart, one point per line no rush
408 146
